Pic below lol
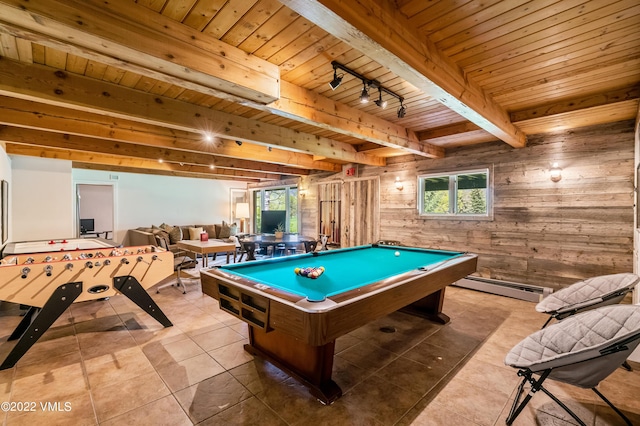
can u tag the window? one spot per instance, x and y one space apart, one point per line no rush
282 205
464 194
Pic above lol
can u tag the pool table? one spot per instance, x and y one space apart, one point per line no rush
295 320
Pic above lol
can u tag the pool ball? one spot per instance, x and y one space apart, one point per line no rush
397 253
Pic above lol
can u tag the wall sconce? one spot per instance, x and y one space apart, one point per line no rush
555 172
399 185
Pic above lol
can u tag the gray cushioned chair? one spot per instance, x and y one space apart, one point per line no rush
581 350
587 294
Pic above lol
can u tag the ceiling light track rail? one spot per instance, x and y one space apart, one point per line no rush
367 83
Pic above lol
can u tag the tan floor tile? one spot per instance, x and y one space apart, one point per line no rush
51 346
217 338
258 375
117 367
232 355
412 376
161 353
211 396
6 380
189 371
249 412
112 400
436 415
382 400
492 377
55 379
481 404
164 411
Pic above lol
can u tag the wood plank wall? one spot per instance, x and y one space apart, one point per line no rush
543 233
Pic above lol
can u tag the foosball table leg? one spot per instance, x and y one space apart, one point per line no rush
38 320
130 287
24 324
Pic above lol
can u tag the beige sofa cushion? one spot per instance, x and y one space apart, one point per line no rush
194 233
210 230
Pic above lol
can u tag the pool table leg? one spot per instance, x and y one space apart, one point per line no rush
429 307
311 365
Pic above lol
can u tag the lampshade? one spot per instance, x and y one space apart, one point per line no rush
242 210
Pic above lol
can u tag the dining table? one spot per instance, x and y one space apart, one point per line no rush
289 241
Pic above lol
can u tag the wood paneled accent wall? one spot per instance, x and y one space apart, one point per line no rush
543 233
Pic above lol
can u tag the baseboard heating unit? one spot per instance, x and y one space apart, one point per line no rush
531 293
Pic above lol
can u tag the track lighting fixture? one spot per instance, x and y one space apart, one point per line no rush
366 84
382 104
336 79
239 143
364 96
402 110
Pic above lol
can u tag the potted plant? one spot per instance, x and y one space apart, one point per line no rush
279 230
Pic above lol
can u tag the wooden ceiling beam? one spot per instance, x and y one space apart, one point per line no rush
295 102
576 104
378 29
21 113
152 45
76 143
147 171
444 131
309 107
56 87
115 163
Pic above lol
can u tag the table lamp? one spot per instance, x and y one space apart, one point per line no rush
242 212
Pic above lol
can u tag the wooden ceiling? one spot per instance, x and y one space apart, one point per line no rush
119 85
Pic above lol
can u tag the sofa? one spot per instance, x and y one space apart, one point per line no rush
167 236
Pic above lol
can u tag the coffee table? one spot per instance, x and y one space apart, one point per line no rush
206 247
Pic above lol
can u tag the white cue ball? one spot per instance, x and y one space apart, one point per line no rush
397 253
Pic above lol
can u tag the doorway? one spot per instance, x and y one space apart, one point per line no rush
94 210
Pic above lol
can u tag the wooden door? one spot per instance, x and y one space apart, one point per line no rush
349 212
361 211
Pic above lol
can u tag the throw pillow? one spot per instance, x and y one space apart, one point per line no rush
210 230
194 233
225 230
161 242
163 236
175 233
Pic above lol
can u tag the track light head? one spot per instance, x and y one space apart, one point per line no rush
239 143
382 104
402 110
364 96
336 80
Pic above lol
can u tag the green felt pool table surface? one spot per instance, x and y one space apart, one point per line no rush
345 269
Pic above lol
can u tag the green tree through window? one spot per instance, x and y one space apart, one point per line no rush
463 193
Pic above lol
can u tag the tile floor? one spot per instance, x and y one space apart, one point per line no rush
109 363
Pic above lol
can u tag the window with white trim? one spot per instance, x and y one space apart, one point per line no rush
463 194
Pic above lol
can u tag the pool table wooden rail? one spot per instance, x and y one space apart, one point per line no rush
345 312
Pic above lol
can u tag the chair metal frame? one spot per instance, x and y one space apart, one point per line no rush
614 353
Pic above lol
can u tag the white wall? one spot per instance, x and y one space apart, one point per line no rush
41 202
6 174
146 200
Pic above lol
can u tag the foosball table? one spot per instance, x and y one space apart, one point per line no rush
49 282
